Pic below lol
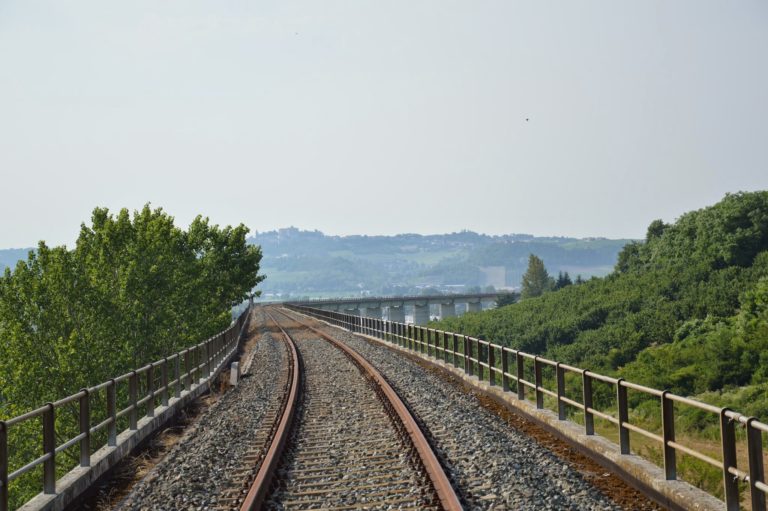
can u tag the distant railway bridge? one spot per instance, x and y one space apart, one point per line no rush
393 308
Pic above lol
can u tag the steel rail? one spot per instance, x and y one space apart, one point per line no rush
445 492
261 482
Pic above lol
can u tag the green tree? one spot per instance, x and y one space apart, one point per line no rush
536 280
134 289
507 299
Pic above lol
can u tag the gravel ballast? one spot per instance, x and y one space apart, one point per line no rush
202 465
493 465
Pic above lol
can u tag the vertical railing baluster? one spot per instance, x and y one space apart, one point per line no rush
164 382
455 350
49 448
177 376
188 372
668 435
468 359
491 365
728 444
151 390
756 469
85 428
133 391
589 418
112 413
560 377
504 370
537 382
623 412
520 376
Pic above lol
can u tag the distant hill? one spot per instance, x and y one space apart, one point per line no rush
9 256
310 263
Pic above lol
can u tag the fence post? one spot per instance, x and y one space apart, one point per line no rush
728 438
668 435
468 356
491 365
177 376
560 375
504 370
589 418
49 448
151 390
133 389
455 350
520 376
756 470
623 410
3 466
112 413
188 372
164 382
85 429
537 382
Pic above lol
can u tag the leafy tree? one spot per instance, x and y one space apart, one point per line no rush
134 289
507 299
536 280
563 279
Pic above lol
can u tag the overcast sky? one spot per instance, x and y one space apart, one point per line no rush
547 117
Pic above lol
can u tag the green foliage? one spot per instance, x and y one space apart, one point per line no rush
536 280
686 310
133 290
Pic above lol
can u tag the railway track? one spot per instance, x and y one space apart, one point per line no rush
346 442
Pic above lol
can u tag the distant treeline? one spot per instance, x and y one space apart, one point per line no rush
310 262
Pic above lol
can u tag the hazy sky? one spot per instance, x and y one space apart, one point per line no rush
380 116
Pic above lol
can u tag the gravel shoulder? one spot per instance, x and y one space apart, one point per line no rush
201 465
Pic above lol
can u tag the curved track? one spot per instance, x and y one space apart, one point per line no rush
353 445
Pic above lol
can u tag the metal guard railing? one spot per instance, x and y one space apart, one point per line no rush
200 364
492 362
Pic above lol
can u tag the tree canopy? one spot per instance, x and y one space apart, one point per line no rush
134 289
684 310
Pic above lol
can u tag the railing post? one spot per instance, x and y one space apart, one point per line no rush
112 413
623 411
491 365
468 356
728 439
455 350
537 382
504 370
3 466
589 418
668 435
133 390
49 448
520 376
164 382
177 376
756 470
188 371
85 429
445 347
151 390
560 376
208 365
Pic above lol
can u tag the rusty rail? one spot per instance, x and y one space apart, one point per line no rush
518 372
150 390
445 492
260 486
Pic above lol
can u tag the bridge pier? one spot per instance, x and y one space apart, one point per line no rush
447 310
474 306
421 314
396 313
372 312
